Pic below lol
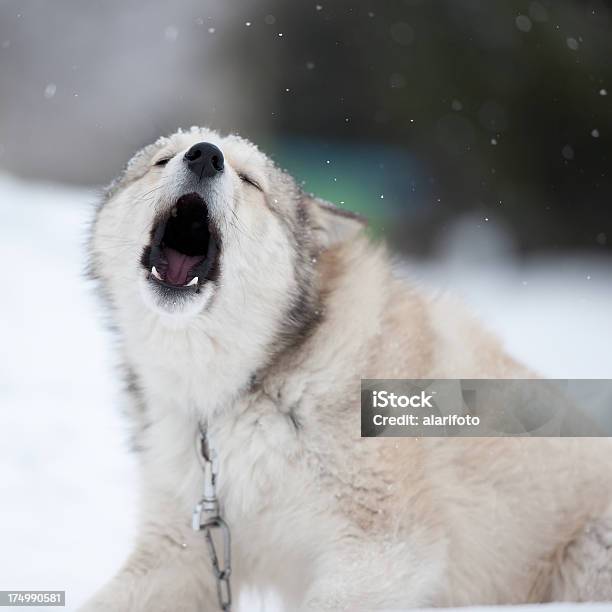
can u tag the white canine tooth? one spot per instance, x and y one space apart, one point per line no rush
155 273
174 212
193 281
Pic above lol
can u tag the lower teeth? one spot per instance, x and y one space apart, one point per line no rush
157 275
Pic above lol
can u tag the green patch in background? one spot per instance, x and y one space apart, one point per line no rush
379 182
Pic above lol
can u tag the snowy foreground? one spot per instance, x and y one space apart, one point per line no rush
67 482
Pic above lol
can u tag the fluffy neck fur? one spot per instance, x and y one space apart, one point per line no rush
205 364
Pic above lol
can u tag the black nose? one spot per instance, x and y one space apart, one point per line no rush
204 159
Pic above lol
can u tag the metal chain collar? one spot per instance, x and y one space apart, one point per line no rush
206 517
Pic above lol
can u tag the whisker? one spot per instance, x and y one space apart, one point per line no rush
238 225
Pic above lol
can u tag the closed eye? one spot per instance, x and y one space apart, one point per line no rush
247 179
163 161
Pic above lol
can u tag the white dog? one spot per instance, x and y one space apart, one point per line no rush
252 310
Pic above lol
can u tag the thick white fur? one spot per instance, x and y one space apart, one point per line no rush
330 520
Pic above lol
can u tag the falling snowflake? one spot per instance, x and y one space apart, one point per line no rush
572 43
568 152
523 23
171 33
402 33
50 90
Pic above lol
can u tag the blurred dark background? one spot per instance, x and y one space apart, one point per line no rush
415 112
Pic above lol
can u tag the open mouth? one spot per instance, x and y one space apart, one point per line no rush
184 247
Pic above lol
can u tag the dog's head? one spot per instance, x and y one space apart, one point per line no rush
200 225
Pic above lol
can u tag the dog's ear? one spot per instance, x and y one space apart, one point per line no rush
332 225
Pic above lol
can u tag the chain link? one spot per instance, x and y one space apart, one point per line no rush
207 518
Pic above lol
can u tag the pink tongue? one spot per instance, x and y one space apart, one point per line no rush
179 265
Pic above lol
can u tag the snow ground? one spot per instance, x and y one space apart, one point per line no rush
67 482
